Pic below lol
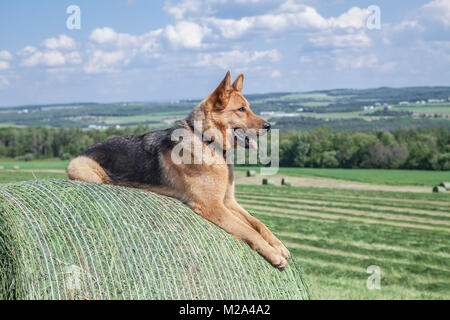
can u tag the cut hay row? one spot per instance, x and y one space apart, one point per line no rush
312 204
354 200
292 214
377 205
442 199
373 249
376 260
394 272
384 215
368 217
70 240
394 285
433 242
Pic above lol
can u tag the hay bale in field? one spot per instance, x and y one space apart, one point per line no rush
267 181
439 189
445 185
73 240
286 182
16 167
2 167
251 173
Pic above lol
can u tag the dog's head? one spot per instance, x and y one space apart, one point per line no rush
229 112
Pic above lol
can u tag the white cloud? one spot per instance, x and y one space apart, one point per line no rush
48 58
73 57
4 65
236 58
291 16
5 55
180 10
27 50
359 39
275 73
112 50
186 34
438 10
103 35
104 62
354 18
358 62
3 82
63 42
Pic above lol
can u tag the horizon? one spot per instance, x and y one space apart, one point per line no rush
200 99
130 50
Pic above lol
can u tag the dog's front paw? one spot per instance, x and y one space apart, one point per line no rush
282 249
282 263
275 258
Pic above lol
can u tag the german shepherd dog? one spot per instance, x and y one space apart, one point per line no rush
207 186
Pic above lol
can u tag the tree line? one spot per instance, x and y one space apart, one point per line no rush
31 143
426 149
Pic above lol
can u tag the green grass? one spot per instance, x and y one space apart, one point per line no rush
158 116
32 170
50 164
335 249
8 176
331 115
433 108
374 176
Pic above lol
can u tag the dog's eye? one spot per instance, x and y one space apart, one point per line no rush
242 109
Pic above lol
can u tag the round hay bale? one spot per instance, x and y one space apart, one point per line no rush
72 240
439 189
251 173
446 185
2 167
16 167
286 182
267 181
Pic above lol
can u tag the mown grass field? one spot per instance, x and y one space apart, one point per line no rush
375 176
50 164
337 233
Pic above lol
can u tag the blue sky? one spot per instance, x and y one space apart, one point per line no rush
136 50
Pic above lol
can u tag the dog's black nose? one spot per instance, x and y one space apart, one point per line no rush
266 126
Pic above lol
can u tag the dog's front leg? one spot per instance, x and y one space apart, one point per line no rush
258 226
217 213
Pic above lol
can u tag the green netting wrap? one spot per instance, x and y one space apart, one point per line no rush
73 240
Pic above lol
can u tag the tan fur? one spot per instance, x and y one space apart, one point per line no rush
85 169
208 188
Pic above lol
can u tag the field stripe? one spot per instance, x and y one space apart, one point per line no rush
337 217
393 273
388 217
351 205
362 245
399 203
350 194
329 208
362 257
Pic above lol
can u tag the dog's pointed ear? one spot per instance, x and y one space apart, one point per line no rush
221 96
239 83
